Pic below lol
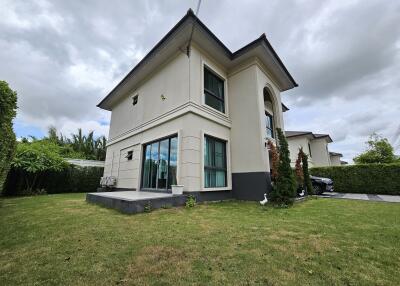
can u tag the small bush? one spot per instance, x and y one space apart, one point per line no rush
191 201
367 179
147 207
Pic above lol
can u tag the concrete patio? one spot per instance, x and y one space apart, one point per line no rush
131 202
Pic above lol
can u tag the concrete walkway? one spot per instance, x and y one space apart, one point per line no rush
365 197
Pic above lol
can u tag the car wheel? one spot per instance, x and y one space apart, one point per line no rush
317 189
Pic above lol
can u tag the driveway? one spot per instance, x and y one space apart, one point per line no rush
365 197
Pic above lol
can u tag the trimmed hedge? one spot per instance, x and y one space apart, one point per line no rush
73 179
366 178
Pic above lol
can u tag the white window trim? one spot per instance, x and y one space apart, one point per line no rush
228 162
273 126
214 69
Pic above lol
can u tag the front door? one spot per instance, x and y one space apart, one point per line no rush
159 164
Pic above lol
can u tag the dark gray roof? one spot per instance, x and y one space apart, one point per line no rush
297 133
336 154
284 108
189 18
289 134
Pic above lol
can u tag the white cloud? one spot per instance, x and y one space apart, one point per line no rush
63 57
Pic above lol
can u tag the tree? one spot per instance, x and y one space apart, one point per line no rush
299 168
80 146
274 160
37 158
284 190
306 173
378 150
8 111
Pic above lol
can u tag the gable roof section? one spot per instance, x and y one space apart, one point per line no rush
335 154
284 108
179 36
290 134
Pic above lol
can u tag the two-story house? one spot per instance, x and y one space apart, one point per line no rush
315 146
196 114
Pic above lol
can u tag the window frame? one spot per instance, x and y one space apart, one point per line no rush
271 117
215 168
143 161
219 73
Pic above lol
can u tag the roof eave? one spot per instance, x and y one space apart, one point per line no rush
190 15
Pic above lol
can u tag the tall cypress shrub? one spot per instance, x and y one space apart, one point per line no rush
8 110
284 190
306 173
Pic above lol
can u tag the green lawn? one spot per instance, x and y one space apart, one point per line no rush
62 240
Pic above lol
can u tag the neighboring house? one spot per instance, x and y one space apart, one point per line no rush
197 116
335 158
85 163
343 162
314 145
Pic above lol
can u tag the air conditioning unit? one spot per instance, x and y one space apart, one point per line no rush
108 182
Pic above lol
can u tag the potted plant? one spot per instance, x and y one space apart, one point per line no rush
177 189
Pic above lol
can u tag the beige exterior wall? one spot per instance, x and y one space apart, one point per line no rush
171 81
320 153
335 160
319 150
295 143
184 112
190 129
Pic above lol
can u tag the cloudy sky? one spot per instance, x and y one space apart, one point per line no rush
63 57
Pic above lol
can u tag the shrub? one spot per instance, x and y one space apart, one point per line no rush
363 178
191 201
298 169
284 190
72 179
275 160
8 106
306 174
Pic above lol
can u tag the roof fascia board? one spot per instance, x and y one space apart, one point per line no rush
190 16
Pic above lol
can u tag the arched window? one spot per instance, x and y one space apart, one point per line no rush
269 114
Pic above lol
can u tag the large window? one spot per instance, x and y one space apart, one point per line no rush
269 125
160 163
214 163
214 90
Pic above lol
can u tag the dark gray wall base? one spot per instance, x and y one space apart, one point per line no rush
132 207
246 186
102 189
251 186
211 196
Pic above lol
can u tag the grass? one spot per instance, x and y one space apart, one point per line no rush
62 240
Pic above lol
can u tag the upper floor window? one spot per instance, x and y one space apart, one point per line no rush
269 125
214 90
309 149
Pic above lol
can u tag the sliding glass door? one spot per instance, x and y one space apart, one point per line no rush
160 163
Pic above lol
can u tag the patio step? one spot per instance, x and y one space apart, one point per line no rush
131 202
